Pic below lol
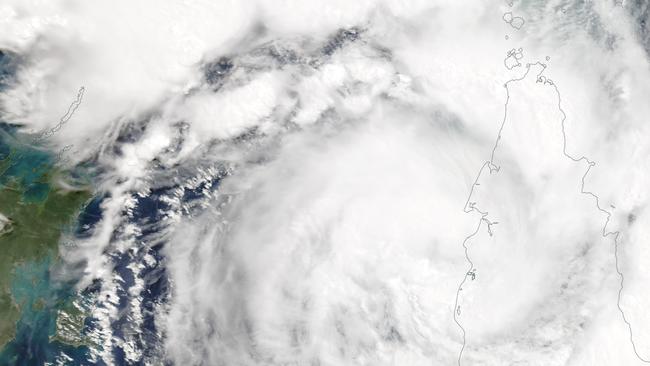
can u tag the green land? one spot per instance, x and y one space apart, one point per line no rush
30 231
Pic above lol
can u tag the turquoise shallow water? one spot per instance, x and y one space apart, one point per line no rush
40 298
27 165
33 288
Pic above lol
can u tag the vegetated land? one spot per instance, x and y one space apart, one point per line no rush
31 233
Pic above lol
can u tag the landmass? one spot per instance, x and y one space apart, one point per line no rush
512 58
35 212
515 22
70 324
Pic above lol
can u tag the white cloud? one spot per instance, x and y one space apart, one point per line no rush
338 235
338 242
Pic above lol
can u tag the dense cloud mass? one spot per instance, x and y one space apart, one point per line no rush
350 182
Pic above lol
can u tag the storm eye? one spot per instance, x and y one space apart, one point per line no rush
217 71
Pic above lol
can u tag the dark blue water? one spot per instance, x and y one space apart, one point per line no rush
148 214
41 296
